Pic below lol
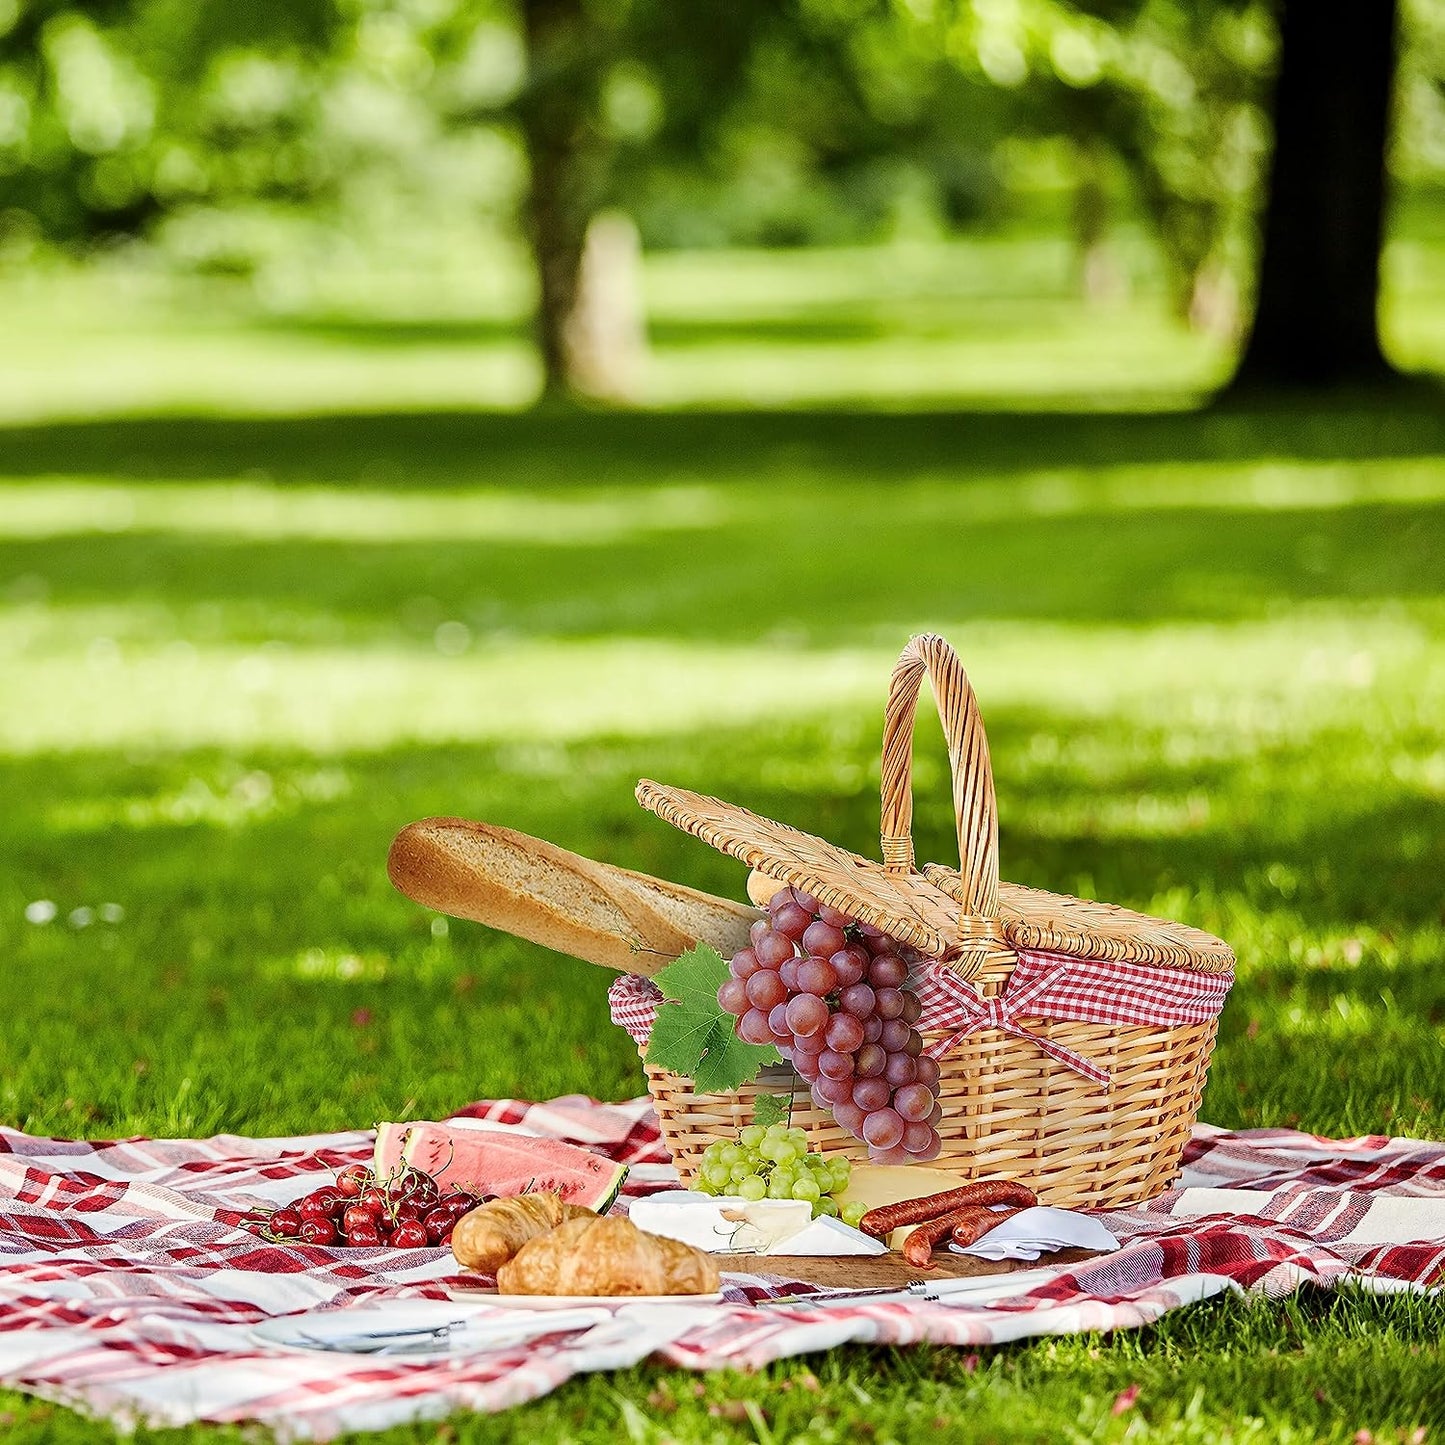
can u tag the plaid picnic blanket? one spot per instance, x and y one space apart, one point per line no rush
127 1290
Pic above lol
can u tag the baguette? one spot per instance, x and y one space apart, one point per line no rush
613 917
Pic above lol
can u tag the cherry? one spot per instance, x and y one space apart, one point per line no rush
358 1216
350 1182
315 1206
409 1209
409 1234
423 1185
318 1231
364 1236
438 1224
375 1199
286 1223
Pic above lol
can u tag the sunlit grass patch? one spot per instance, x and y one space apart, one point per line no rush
993 321
1229 690
251 511
593 516
230 796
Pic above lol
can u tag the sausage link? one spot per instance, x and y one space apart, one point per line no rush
979 1222
964 1226
882 1221
918 1247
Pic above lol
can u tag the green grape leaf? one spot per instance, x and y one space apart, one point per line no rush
694 1034
772 1109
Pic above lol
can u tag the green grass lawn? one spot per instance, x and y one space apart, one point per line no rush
993 322
239 651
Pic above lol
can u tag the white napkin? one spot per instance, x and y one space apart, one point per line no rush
1032 1232
721 1224
633 1333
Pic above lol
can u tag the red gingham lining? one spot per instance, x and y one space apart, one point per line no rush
1042 986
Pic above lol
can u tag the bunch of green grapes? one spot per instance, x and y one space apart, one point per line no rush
774 1163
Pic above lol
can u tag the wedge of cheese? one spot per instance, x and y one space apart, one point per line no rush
878 1184
875 1185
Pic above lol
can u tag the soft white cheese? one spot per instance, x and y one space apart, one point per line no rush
725 1225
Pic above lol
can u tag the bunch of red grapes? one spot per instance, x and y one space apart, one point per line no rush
406 1211
832 994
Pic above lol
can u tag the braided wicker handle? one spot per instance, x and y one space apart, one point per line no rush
975 808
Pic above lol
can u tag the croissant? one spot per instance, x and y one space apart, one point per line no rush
492 1233
613 1256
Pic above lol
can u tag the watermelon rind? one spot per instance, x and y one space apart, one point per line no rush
390 1142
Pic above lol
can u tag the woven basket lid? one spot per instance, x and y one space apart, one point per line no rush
966 915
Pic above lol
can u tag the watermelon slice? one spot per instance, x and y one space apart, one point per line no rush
497 1163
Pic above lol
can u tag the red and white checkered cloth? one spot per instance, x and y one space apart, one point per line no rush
127 1291
1041 986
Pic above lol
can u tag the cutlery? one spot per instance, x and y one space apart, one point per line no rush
976 1292
384 1339
456 1335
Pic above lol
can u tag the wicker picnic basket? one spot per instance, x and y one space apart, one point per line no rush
1009 1109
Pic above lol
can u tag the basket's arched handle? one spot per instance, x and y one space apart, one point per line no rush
974 805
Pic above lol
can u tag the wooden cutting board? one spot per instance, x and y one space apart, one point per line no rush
881 1271
892 1270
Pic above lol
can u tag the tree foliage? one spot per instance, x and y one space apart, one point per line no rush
762 121
105 106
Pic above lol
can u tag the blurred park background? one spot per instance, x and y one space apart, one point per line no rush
439 406
298 205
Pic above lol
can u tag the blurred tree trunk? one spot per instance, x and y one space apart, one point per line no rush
1315 320
1102 278
558 112
606 331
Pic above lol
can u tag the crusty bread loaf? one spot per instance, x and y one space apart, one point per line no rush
538 891
761 888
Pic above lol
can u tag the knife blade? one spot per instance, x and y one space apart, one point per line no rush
979 1291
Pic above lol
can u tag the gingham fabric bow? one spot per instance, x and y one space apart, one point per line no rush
950 1002
1042 986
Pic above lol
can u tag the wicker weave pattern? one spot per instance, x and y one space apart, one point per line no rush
906 906
1055 923
974 807
1008 1108
1008 1111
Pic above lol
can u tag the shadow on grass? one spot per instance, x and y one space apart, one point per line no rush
566 447
767 562
861 325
